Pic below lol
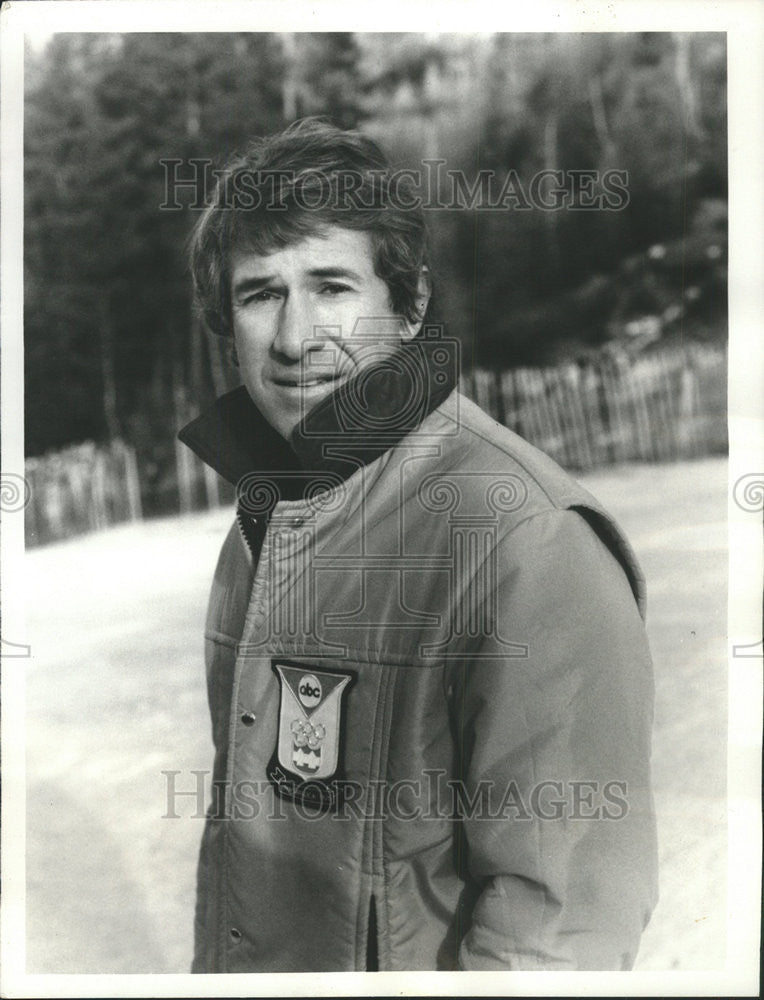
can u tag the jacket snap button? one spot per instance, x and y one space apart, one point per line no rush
235 935
248 718
297 522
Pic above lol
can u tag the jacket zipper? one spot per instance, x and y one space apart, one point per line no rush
253 530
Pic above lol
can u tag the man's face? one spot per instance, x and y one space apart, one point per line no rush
294 311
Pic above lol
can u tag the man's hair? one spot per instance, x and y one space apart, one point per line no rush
295 184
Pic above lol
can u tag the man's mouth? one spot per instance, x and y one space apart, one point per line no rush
306 383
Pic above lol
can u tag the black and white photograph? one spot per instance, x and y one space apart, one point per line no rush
381 499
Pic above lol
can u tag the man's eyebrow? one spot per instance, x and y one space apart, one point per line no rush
252 284
334 272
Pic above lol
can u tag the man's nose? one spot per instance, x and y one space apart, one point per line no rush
295 335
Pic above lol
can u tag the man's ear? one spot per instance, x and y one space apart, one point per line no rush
424 291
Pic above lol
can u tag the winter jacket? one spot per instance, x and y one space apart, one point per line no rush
431 699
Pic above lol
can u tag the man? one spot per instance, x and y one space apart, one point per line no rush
430 687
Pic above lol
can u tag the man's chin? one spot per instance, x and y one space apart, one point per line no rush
287 404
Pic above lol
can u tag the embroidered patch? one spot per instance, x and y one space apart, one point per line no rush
309 746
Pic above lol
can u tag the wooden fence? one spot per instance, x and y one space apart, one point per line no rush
83 488
662 406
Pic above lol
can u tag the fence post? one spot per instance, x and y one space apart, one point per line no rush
132 483
557 428
665 403
486 391
686 430
614 371
79 478
183 462
575 408
185 477
99 491
211 487
508 401
467 385
640 415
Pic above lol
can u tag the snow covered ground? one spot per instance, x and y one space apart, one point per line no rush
116 697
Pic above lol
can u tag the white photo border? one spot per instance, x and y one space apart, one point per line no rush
743 23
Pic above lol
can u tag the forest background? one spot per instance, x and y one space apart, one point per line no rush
113 350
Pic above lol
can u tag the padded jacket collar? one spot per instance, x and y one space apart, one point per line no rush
352 427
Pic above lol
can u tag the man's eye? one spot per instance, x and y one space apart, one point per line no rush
334 288
261 296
